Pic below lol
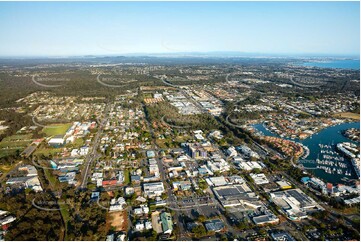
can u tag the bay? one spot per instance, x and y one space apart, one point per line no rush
339 64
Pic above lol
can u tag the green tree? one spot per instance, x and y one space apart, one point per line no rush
199 231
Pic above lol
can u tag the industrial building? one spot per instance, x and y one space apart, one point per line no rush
294 203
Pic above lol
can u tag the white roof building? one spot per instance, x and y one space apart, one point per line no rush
56 140
259 179
139 226
117 204
249 165
216 181
7 220
231 151
153 189
83 150
148 225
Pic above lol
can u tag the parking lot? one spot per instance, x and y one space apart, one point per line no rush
208 211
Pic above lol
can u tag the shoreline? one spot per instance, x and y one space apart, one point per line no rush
309 139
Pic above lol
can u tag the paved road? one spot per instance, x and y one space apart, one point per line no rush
171 198
92 155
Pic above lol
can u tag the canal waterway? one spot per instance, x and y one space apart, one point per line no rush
324 161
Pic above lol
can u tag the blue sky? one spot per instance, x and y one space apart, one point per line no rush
79 28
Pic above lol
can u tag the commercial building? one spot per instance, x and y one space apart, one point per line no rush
294 203
153 189
236 195
259 179
216 181
31 170
31 180
249 165
268 218
215 225
232 152
284 185
248 152
282 236
218 165
196 151
167 223
57 141
150 154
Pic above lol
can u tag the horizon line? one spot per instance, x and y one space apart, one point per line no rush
228 54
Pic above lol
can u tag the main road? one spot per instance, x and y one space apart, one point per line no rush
182 235
92 155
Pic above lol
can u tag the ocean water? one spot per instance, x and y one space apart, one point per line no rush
340 64
329 136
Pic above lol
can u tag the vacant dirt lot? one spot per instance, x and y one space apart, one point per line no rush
118 220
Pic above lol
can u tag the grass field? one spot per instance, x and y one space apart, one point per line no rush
17 137
182 138
56 129
350 210
126 177
5 168
10 145
14 144
355 116
7 152
148 95
64 210
79 142
51 178
47 151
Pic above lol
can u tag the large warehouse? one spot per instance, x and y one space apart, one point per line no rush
236 195
295 203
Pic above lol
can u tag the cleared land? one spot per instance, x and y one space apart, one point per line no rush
56 129
355 116
118 220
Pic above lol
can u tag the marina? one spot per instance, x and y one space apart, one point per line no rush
332 162
324 160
